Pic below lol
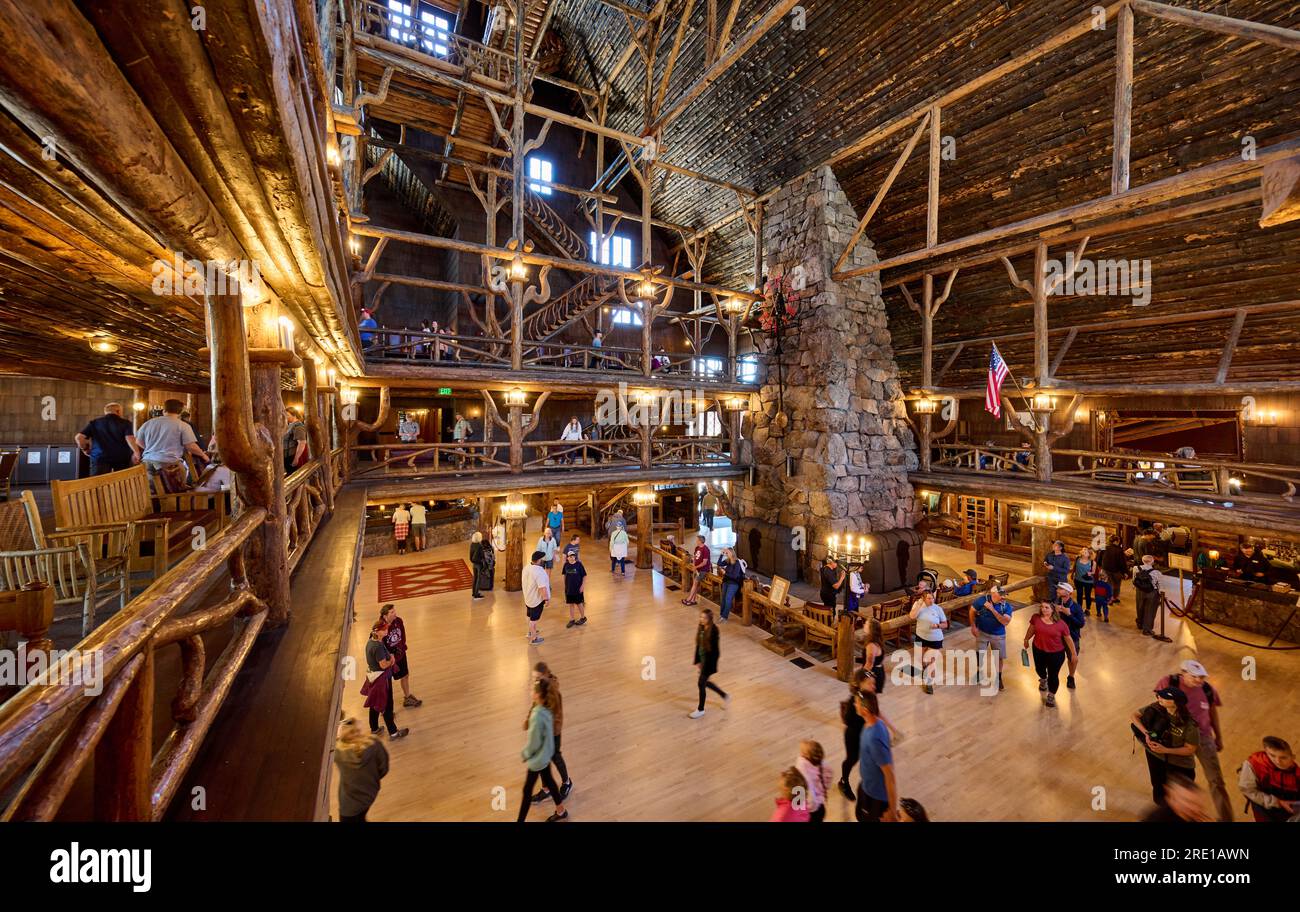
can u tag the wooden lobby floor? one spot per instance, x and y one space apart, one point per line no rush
634 755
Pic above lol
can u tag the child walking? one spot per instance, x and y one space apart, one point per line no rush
575 581
811 764
1102 594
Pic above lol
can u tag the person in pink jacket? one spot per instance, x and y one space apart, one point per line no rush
792 804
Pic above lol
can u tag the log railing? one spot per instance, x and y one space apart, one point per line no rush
448 348
561 454
377 19
54 725
304 494
1153 470
690 451
567 356
398 459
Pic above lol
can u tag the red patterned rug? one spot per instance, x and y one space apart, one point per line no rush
424 579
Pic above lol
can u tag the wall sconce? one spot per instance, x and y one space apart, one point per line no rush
737 403
354 245
646 289
516 397
1234 484
286 333
1044 402
518 271
514 509
644 498
102 343
925 406
333 375
848 551
1044 517
1213 555
137 406
473 413
734 305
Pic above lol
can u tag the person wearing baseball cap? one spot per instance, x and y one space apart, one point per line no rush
1073 616
1202 701
968 587
1170 737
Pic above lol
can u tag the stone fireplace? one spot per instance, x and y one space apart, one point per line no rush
843 423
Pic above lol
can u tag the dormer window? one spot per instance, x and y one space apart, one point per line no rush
539 169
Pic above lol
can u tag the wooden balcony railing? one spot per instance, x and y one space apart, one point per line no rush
1253 482
444 47
304 493
53 726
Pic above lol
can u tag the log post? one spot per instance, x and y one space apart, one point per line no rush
485 518
124 756
645 430
746 610
248 416
514 578
844 654
354 427
593 515
1040 545
645 523
311 406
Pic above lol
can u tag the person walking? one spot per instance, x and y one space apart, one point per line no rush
833 580
615 522
812 766
931 621
378 686
1057 565
395 641
702 565
478 551
1203 704
1170 737
877 799
989 616
537 592
852 731
547 544
618 550
1072 614
1146 583
108 440
1270 781
537 754
1085 576
401 527
573 546
362 761
792 798
1051 638
575 582
707 650
555 705
708 509
1102 593
1115 562
555 520
572 435
419 525
873 655
733 577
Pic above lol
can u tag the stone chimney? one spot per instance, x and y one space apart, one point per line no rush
844 418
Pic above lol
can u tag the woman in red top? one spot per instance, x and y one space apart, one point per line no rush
1051 638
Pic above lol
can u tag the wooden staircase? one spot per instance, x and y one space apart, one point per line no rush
591 293
554 230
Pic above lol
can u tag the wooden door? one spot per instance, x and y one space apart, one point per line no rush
976 517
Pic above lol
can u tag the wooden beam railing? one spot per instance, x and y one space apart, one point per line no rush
975 458
56 724
304 493
398 459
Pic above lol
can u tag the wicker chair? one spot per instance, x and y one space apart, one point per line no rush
87 568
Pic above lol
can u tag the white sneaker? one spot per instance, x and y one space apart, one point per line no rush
696 713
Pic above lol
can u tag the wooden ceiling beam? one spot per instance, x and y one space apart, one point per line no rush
1285 38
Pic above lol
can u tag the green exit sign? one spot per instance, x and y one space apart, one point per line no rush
444 391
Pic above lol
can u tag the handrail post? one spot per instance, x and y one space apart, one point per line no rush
124 756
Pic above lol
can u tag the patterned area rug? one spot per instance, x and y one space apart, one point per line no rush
424 579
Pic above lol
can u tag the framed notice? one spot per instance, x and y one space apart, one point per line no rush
1180 562
780 589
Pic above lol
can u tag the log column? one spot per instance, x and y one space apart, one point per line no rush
514 578
311 405
645 523
124 755
248 417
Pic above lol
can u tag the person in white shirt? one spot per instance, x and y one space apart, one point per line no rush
215 481
572 432
931 621
460 433
499 536
537 592
419 517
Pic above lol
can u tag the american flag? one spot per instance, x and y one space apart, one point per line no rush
998 371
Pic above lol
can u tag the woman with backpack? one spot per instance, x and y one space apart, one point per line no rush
1146 583
733 577
1170 737
477 560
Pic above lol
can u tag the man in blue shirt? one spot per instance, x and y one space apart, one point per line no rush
968 587
989 616
1072 614
878 792
367 322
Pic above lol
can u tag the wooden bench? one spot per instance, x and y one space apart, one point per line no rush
819 627
163 523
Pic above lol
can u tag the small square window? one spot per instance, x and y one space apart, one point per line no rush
625 317
539 169
616 251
